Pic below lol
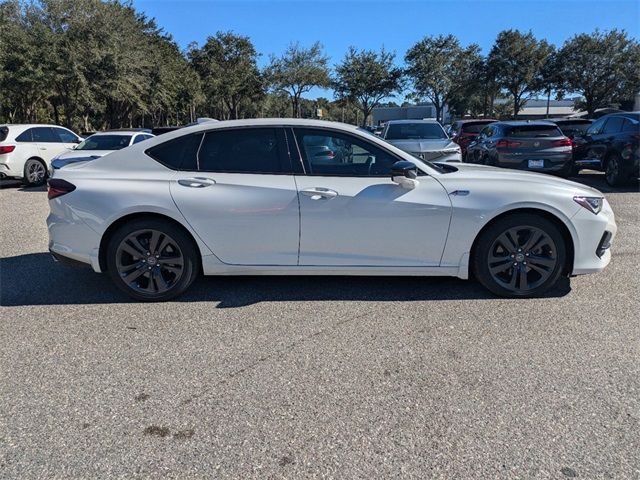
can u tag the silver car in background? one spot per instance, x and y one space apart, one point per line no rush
425 139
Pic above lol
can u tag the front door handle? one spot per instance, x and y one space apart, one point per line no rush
318 193
197 182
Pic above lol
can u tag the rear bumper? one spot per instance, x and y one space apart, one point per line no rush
72 240
552 162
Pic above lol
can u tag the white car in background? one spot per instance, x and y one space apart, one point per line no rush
258 197
26 151
100 144
425 139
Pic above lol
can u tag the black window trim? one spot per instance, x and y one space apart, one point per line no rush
284 154
307 166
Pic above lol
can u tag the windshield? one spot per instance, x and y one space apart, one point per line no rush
415 131
534 131
105 142
474 127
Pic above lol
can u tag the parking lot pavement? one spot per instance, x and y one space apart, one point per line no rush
296 377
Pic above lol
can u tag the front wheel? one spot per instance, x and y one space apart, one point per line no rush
613 172
519 256
152 260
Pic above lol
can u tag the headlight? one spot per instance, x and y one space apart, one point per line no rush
593 204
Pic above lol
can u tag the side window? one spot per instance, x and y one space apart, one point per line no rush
596 127
26 136
45 135
613 125
333 153
66 135
484 133
243 150
179 153
140 138
630 126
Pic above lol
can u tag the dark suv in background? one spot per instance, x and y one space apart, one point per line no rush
463 132
610 145
538 146
572 127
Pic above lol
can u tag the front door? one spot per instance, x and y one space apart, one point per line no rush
352 214
239 195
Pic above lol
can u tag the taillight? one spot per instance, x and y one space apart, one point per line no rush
507 144
7 148
59 187
565 142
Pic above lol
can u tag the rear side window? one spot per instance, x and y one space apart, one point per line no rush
26 136
534 131
45 135
179 153
4 131
244 150
613 125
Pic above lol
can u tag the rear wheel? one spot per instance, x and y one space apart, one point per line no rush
613 171
152 260
519 255
35 172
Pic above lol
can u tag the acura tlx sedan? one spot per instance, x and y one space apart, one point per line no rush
265 197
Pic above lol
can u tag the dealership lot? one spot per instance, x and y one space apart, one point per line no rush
322 376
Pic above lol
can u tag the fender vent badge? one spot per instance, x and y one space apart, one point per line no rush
461 193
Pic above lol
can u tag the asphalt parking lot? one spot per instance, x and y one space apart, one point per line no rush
262 377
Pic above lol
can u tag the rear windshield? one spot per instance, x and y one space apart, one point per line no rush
474 127
4 131
534 131
414 131
105 142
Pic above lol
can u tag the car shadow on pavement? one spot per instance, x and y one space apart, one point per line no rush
35 279
597 180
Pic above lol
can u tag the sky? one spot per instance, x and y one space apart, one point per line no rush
273 24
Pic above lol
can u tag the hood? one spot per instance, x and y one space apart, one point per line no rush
523 179
424 145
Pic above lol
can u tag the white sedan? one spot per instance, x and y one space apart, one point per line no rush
305 197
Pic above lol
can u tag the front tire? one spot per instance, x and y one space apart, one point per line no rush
152 260
35 172
613 171
519 255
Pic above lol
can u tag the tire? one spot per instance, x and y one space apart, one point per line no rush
502 252
613 171
148 272
35 172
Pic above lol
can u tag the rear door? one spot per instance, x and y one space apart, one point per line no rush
68 138
238 192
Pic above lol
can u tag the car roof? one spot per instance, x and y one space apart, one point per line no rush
520 123
424 120
31 125
632 115
476 120
570 120
120 132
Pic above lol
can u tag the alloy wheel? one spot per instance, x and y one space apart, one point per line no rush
149 261
522 258
612 171
35 172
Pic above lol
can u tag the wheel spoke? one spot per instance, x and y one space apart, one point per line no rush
134 274
524 283
161 283
500 266
533 240
130 250
153 241
176 260
169 268
507 242
137 245
542 261
514 276
165 242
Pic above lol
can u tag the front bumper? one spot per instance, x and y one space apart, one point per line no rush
592 233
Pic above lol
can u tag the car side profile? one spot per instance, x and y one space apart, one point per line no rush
463 132
100 144
26 151
250 197
612 145
538 146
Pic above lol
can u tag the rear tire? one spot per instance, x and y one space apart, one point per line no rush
35 173
519 255
152 260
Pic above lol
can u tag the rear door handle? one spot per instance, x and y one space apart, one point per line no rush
197 182
318 193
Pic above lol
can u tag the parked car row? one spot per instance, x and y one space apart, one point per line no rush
30 152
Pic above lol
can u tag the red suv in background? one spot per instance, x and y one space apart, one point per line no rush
463 132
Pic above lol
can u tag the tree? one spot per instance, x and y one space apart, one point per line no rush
227 65
602 67
439 68
366 78
297 72
517 59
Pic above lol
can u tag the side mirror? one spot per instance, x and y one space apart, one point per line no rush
405 174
